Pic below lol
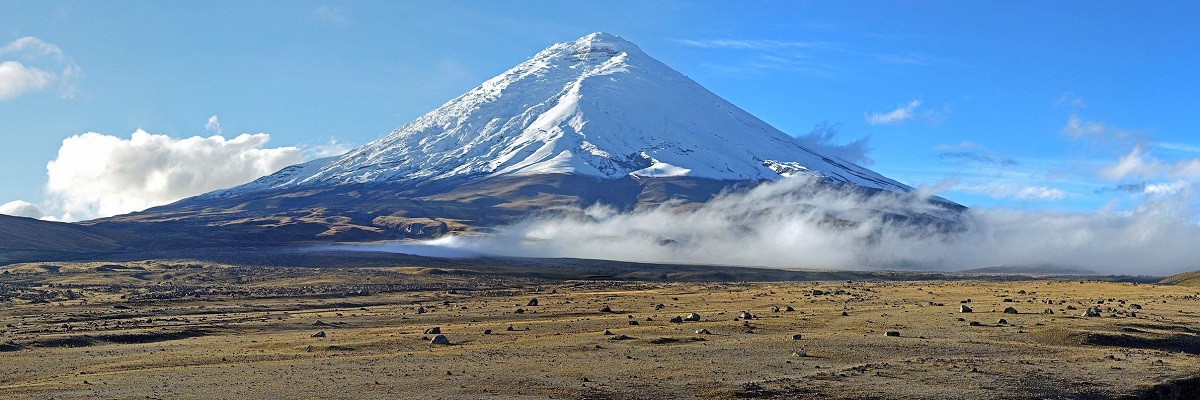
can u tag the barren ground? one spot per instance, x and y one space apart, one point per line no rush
178 330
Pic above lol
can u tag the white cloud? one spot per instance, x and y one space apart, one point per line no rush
900 114
1039 193
796 223
97 175
820 139
19 208
332 14
333 147
1071 99
16 79
35 65
213 125
1140 164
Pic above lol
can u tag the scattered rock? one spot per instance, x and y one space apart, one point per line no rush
692 317
532 302
660 306
606 309
962 319
320 323
1092 312
1010 310
818 292
892 333
676 319
607 332
420 310
434 330
520 311
1135 306
1002 321
319 334
964 308
510 328
975 323
774 308
845 314
1048 311
487 331
799 354
440 339
703 332
619 337
746 315
796 337
789 309
633 322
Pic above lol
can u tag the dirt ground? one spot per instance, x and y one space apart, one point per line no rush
178 330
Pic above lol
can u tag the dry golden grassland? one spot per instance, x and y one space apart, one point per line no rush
179 330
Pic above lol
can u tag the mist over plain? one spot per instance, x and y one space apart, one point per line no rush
800 223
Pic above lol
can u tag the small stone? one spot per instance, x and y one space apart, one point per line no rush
746 315
975 323
633 322
440 339
619 337
1048 311
774 308
319 334
1002 321
800 354
487 331
433 331
845 314
420 310
964 308
660 306
676 319
532 303
520 311
796 337
892 333
1092 312
703 332
692 317
1010 310
510 328
789 309
606 309
607 332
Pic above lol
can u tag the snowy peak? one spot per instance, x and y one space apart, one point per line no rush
599 107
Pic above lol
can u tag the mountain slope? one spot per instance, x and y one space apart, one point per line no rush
591 121
598 107
27 238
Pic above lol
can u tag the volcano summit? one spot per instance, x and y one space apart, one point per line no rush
594 120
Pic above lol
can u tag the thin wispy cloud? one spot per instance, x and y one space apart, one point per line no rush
213 125
1070 99
900 114
817 58
1139 163
30 64
333 14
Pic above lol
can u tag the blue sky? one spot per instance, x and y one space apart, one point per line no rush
1072 106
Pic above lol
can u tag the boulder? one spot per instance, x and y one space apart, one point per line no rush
319 334
606 309
440 339
789 309
1092 312
796 336
964 308
532 302
434 330
774 308
692 317
1010 310
677 319
746 315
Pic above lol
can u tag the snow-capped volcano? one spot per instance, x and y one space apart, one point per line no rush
591 121
596 107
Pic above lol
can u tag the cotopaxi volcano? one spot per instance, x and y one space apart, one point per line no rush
594 120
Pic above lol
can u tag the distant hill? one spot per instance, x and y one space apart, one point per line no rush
25 238
1185 279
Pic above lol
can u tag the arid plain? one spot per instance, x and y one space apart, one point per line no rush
184 329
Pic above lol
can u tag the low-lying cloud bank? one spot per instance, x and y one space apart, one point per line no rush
798 223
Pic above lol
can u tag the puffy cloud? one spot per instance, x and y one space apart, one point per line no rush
1015 190
35 65
794 223
213 125
19 208
900 114
97 175
16 79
